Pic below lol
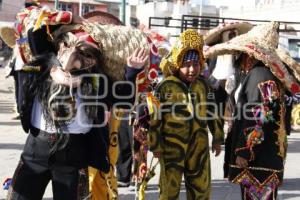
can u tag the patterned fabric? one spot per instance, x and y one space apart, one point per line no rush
182 139
103 186
254 189
188 40
149 76
36 18
191 55
296 116
117 43
140 148
295 99
259 136
262 114
84 37
269 91
271 95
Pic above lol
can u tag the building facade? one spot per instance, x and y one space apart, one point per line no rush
277 10
142 10
113 7
9 9
73 5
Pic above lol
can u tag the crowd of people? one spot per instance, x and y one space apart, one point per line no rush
96 98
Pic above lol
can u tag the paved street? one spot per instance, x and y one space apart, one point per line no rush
12 139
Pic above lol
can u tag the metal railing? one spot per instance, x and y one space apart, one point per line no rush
204 23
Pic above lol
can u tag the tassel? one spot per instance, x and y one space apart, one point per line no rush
40 20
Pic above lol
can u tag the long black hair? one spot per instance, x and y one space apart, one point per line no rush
45 88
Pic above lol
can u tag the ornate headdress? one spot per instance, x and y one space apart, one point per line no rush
188 40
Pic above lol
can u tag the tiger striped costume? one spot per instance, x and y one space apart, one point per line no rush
178 131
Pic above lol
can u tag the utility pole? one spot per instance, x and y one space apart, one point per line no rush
56 4
80 8
123 11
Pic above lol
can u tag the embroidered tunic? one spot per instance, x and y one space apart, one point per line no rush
259 134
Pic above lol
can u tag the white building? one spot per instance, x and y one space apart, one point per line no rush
278 10
272 10
9 9
142 10
113 6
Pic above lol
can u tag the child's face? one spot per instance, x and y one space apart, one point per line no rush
189 71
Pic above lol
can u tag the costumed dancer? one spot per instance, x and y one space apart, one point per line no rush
220 70
258 135
140 115
224 77
291 100
130 39
104 185
180 138
58 108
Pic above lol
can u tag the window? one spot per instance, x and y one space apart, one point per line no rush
294 48
65 7
87 8
134 22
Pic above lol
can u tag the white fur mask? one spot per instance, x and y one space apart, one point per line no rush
224 67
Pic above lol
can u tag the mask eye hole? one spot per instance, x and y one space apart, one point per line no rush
66 44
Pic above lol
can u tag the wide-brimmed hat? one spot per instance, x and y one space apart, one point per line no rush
102 18
214 35
188 40
292 64
8 35
117 43
261 43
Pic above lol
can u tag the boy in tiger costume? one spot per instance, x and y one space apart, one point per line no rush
178 133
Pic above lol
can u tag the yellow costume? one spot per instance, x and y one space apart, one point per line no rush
296 117
104 186
178 128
